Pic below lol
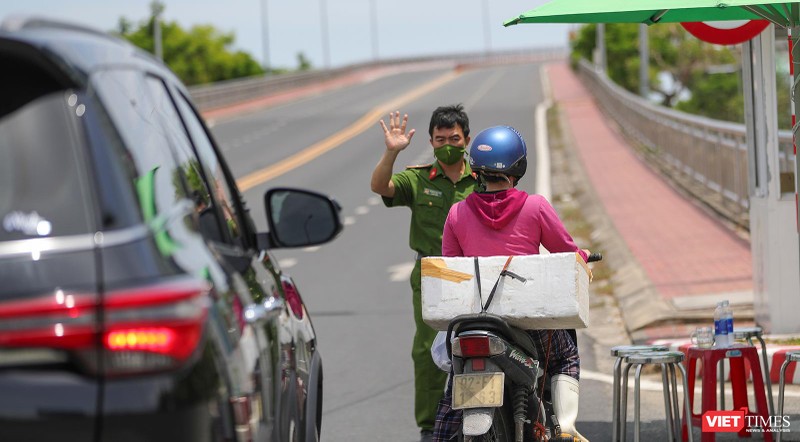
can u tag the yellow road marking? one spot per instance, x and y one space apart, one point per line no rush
315 150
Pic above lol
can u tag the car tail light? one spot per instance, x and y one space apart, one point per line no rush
147 328
477 346
175 340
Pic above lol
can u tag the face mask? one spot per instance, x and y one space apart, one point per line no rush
448 154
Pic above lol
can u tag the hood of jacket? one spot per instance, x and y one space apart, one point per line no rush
497 209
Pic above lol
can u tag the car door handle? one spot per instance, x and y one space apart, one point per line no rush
270 308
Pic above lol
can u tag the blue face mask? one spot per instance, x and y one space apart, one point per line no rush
449 154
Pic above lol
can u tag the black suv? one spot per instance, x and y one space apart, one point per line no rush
137 301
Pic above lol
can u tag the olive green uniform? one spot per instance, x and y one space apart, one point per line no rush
429 194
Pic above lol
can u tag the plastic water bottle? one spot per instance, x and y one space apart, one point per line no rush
727 315
720 327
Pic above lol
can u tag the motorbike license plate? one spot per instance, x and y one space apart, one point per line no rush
478 390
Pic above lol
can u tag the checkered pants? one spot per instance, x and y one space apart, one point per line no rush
563 359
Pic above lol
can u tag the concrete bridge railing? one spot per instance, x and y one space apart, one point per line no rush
706 157
230 92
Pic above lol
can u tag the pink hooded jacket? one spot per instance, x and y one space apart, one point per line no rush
510 222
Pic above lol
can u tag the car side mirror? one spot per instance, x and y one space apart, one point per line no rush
300 218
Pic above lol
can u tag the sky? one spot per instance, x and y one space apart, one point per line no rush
404 27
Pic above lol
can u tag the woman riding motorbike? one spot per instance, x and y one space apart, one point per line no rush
502 220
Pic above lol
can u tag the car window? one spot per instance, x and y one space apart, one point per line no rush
136 115
224 194
195 173
42 187
113 167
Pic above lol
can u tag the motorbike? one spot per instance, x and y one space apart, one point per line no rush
498 379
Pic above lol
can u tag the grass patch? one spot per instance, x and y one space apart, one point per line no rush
556 139
581 231
567 202
576 224
788 341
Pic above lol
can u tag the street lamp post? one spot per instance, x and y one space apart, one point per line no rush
487 31
323 10
600 48
644 62
265 35
374 27
156 7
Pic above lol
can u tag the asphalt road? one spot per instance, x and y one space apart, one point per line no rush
356 288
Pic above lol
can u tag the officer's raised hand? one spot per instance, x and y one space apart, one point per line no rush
395 135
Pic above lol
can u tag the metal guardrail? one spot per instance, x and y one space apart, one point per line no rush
231 92
707 157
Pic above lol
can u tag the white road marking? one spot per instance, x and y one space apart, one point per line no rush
367 121
287 263
362 210
349 220
311 249
374 201
401 272
484 89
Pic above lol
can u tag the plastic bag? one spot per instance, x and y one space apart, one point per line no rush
439 352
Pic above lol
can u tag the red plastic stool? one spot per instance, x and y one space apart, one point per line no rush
710 358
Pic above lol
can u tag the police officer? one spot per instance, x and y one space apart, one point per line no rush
429 191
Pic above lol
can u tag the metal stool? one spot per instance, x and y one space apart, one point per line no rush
620 352
749 333
791 356
668 361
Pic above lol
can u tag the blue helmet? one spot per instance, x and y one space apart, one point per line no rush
499 149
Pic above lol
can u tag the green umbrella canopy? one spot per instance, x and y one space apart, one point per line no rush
782 13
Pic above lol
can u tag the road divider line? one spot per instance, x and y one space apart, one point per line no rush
315 150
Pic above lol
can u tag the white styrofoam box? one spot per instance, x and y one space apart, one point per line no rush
555 293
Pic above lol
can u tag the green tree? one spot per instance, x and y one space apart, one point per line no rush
303 63
201 54
689 63
673 52
718 96
622 53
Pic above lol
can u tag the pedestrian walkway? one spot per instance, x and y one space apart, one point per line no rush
689 259
682 250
